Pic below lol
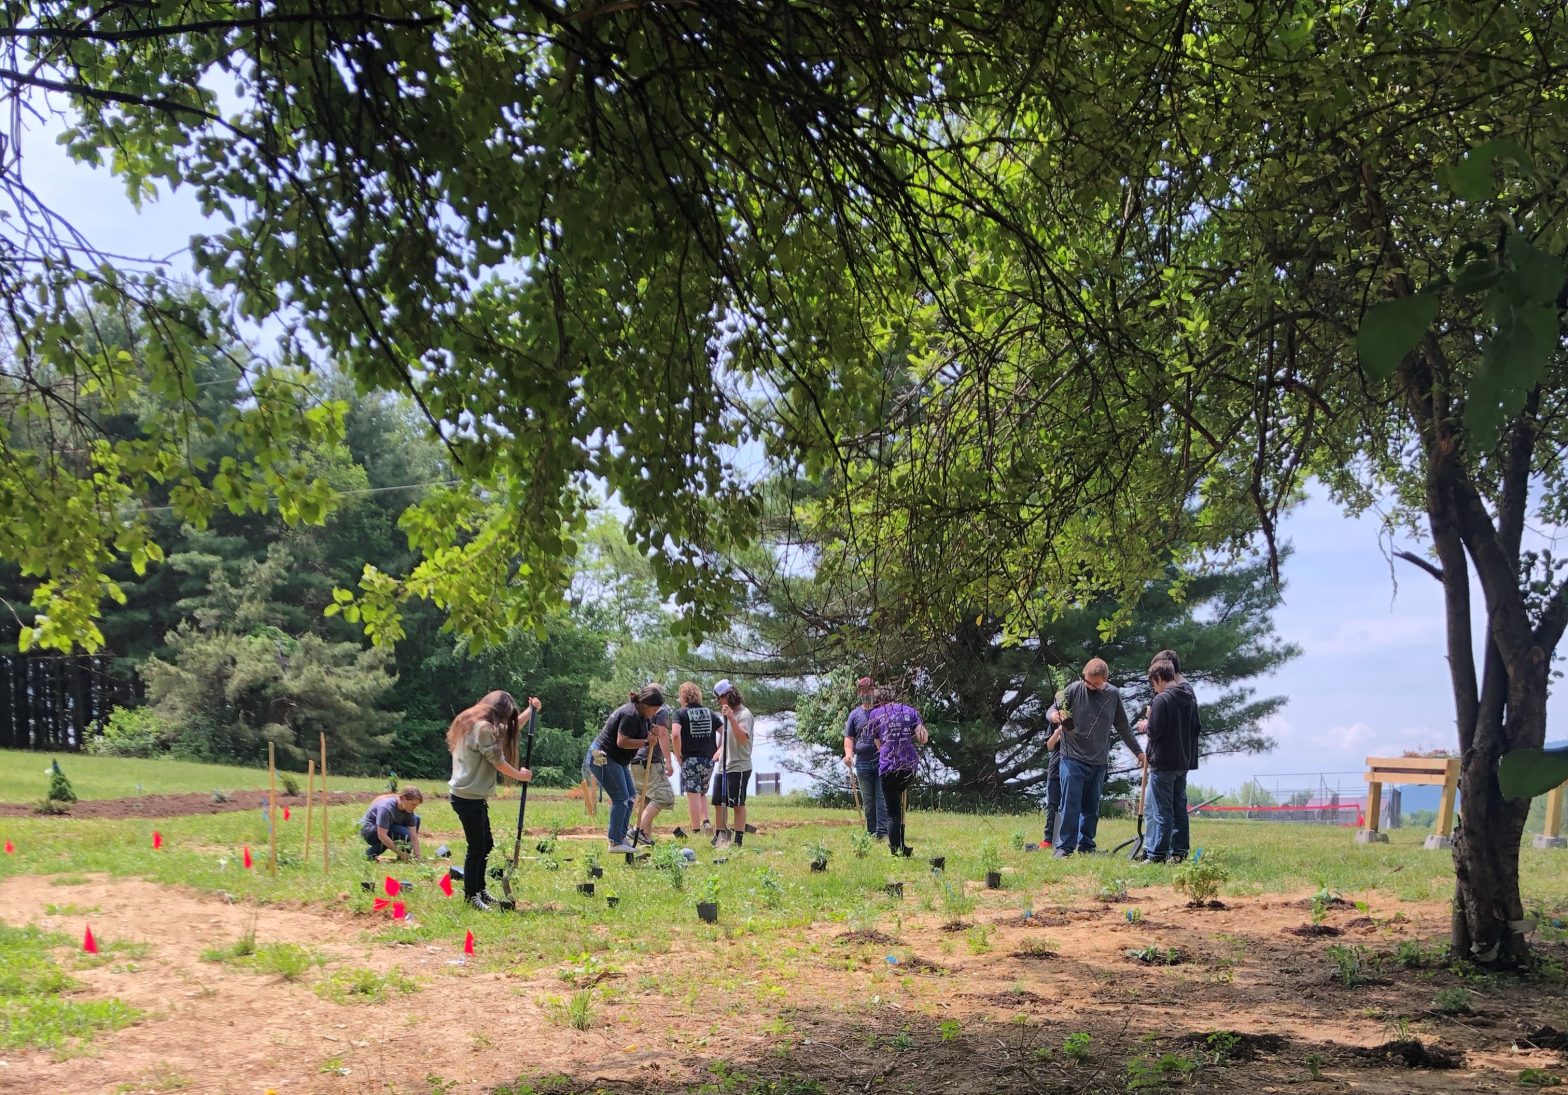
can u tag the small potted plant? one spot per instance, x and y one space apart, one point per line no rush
611 898
819 856
991 864
591 865
895 889
585 888
708 907
938 864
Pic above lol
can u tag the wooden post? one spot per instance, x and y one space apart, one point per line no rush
326 832
310 785
1445 804
272 808
1374 807
1554 811
589 804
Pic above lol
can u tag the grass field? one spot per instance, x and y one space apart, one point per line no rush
25 777
581 963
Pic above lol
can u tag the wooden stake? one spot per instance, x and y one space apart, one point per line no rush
326 833
272 808
310 785
590 804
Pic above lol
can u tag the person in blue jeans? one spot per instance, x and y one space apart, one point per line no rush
628 729
860 757
1173 729
391 821
1084 717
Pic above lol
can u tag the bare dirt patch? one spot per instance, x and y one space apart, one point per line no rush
1253 1008
114 809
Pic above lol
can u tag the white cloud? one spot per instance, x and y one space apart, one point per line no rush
1370 634
1344 739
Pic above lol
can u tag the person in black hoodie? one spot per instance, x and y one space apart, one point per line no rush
1172 752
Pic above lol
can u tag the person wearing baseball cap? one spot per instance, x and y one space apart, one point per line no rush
733 765
860 757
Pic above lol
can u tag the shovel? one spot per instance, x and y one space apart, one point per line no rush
509 901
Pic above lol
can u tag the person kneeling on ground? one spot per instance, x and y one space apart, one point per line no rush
734 759
483 743
391 820
1095 707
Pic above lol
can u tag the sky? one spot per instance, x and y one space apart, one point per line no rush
1371 680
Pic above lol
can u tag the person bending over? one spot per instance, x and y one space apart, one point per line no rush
391 820
483 744
627 730
661 796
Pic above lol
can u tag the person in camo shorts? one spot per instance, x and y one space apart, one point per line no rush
694 741
661 796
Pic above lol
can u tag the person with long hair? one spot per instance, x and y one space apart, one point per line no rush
628 729
898 732
483 743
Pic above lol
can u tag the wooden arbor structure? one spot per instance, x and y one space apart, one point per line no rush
1431 771
1441 772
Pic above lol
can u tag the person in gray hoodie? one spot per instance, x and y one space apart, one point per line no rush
1084 717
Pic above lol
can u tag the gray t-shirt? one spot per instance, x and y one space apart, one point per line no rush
1095 715
740 752
474 761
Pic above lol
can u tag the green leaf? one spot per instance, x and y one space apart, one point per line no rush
1525 773
1471 178
1391 329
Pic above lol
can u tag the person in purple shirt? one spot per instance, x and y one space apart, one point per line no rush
898 732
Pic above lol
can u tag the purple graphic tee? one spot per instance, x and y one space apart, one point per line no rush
893 724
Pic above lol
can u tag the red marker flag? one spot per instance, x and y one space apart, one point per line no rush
468 943
89 944
380 903
10 849
157 840
285 813
446 883
392 886
398 912
247 857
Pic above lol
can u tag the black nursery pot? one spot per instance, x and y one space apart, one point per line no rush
595 872
456 872
939 863
585 888
368 887
708 912
895 889
819 864
993 880
631 859
612 901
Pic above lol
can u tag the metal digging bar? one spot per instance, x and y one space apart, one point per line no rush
1136 843
509 902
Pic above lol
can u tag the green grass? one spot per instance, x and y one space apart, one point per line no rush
766 892
119 777
37 1009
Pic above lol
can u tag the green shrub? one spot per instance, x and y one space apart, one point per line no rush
129 732
60 789
1200 880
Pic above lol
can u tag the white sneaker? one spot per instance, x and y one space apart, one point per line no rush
621 849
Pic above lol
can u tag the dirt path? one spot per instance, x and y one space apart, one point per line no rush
981 1007
115 809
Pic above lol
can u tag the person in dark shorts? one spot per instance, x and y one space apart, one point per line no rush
734 759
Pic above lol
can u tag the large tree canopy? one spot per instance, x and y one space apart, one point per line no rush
1053 294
